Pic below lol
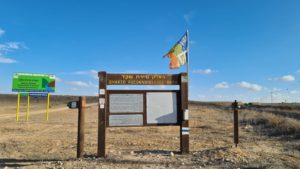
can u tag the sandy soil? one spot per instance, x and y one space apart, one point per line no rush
52 144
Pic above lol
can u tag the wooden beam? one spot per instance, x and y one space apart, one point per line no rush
184 126
81 118
102 114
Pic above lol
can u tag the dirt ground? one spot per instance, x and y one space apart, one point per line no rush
40 144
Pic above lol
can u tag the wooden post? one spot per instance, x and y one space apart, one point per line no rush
235 122
102 114
80 137
184 122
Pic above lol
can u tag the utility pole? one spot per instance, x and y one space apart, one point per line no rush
287 96
271 96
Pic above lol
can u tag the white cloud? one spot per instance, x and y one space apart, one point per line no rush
295 92
2 32
286 78
201 96
9 47
74 89
82 84
7 60
189 16
92 73
250 86
222 85
204 71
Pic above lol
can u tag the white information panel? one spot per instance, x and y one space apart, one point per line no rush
161 107
126 120
130 103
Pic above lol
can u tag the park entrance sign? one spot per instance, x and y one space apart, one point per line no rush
126 108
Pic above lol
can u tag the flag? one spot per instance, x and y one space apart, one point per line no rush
179 53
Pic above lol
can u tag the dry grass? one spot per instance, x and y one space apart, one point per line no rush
270 124
39 144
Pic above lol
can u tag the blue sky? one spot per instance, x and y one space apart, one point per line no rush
241 50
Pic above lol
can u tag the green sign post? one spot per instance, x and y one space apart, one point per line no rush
33 84
28 82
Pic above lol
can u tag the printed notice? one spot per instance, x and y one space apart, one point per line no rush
129 103
126 120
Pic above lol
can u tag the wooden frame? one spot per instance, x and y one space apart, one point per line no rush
143 79
144 113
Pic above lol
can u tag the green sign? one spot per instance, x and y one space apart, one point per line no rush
28 82
24 93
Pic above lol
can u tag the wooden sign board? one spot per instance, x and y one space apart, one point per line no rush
125 108
142 108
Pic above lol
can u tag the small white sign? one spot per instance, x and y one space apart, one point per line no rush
74 104
184 79
102 101
101 106
185 131
102 91
186 114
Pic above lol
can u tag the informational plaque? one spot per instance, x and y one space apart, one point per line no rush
129 103
126 120
161 108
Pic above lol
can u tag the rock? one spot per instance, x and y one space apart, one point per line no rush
182 163
59 163
172 154
131 152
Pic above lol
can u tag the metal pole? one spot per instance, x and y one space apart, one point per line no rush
188 52
18 107
271 97
28 104
48 105
80 137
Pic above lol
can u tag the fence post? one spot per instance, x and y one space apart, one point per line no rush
102 114
235 122
184 121
80 138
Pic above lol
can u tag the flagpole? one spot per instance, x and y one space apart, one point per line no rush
188 52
